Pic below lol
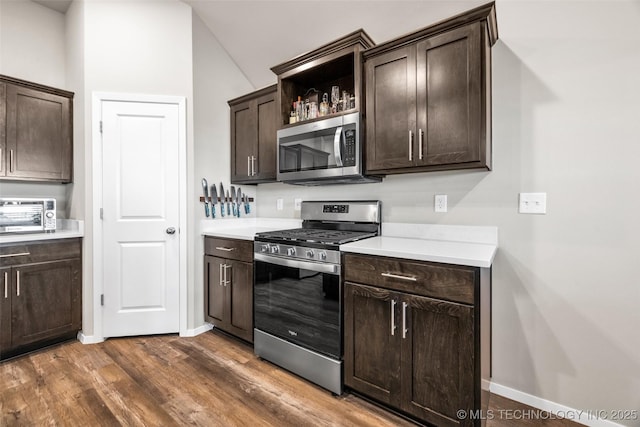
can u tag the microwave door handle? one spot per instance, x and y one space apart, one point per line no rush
337 146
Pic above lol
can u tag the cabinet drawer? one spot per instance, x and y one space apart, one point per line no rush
41 251
454 283
242 250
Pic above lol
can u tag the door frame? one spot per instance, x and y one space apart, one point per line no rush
96 200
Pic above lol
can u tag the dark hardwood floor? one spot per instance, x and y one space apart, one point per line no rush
208 380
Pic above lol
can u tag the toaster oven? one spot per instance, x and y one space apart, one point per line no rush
27 215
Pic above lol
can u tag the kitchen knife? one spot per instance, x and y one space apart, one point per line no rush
247 206
227 199
233 200
205 189
238 198
222 199
214 200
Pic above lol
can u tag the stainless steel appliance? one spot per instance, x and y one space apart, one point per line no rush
326 151
27 215
297 291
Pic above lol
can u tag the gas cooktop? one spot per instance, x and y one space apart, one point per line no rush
310 235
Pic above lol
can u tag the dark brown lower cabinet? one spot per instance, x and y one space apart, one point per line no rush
228 285
41 286
416 354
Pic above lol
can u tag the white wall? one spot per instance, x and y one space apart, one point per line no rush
216 79
32 47
565 122
135 47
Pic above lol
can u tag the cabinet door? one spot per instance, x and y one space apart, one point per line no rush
390 109
449 102
45 301
265 163
371 345
215 291
3 126
241 299
437 359
244 140
38 138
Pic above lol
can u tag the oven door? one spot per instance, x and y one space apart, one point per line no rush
299 301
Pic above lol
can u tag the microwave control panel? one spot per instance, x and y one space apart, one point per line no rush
349 149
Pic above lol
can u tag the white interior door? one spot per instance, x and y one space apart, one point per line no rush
140 175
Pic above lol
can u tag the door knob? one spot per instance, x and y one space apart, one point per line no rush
171 230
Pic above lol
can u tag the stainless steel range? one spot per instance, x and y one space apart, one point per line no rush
297 292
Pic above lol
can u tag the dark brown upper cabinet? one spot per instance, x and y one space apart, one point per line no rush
338 63
36 132
428 97
253 137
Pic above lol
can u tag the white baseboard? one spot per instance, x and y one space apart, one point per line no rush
89 339
197 331
592 418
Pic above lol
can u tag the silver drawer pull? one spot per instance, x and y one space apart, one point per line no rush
220 248
18 283
12 255
6 279
397 276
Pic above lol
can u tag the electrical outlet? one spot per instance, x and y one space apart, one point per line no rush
533 203
279 204
440 203
297 204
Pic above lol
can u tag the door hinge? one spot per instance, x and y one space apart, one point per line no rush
101 213
102 300
100 126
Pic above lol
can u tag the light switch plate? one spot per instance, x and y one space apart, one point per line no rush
279 204
297 204
533 203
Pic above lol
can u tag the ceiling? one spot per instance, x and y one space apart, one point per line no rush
259 34
59 5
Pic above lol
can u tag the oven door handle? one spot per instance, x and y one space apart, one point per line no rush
294 263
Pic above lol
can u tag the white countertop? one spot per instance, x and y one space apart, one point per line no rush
65 229
461 245
245 228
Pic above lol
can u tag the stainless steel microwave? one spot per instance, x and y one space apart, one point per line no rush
19 215
321 152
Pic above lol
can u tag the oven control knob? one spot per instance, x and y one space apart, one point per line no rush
49 214
310 254
275 249
322 256
264 248
291 251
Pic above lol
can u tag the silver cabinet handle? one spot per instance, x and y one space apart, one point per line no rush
17 283
10 160
253 166
0 159
225 275
393 317
221 248
18 254
6 290
224 269
220 277
404 320
248 165
420 138
410 145
397 276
